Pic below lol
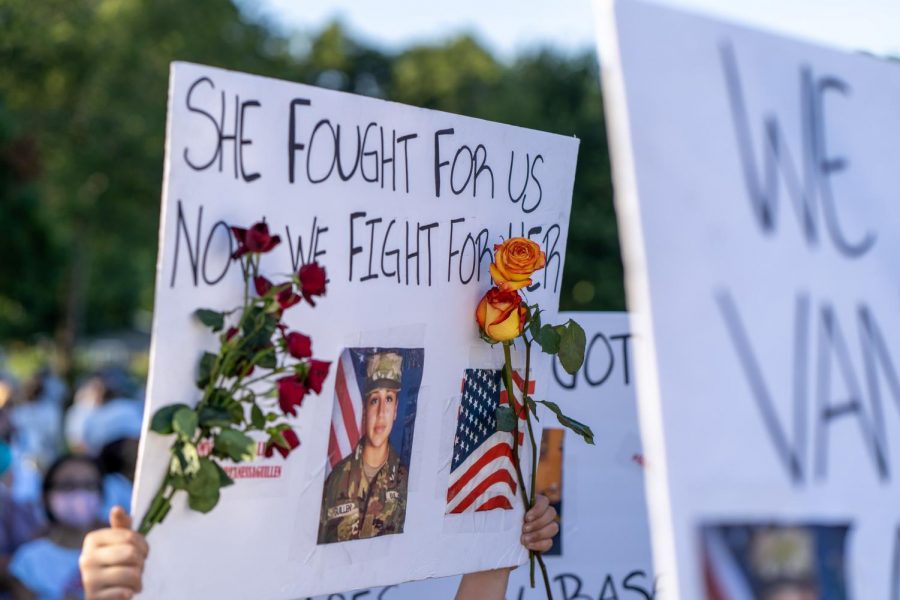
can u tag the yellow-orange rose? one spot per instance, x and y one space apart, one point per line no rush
501 314
515 260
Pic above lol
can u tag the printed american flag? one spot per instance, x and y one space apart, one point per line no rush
346 419
482 475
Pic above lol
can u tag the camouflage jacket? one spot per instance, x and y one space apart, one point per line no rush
353 508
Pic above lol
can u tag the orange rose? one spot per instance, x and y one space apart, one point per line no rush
501 314
514 262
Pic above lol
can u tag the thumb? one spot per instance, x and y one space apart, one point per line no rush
119 519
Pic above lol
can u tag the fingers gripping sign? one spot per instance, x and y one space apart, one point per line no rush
540 525
112 559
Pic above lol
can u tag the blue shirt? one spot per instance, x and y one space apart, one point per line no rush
49 571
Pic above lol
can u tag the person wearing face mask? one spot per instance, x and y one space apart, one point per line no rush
47 567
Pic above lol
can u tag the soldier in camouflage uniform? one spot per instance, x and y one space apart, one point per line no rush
365 494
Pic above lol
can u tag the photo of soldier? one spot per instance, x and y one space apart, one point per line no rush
772 561
365 493
548 480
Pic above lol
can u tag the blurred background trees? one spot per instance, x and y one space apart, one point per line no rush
82 123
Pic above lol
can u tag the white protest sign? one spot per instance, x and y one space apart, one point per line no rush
756 182
603 550
402 207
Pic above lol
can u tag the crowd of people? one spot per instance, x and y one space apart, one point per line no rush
67 456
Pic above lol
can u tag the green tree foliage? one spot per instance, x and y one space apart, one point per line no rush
84 84
29 256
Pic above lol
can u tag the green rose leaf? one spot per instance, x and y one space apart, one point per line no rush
257 419
258 328
214 416
237 412
571 347
205 369
570 423
204 504
224 479
205 481
548 339
161 422
235 445
532 406
222 399
177 481
267 359
184 422
210 318
506 418
534 326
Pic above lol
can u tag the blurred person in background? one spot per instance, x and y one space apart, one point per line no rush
106 385
88 398
53 389
19 523
36 420
46 568
111 436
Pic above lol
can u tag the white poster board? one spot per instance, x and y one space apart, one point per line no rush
756 180
402 207
604 544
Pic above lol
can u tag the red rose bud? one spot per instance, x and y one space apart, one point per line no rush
312 281
259 240
298 345
290 437
256 239
290 394
318 372
240 235
287 298
262 285
232 331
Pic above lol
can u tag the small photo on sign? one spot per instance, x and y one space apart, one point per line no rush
548 480
370 443
482 475
775 561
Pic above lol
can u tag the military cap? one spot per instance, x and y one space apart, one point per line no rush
383 370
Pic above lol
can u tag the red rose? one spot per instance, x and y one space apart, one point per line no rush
232 331
256 239
312 281
290 438
298 345
315 377
290 394
262 285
